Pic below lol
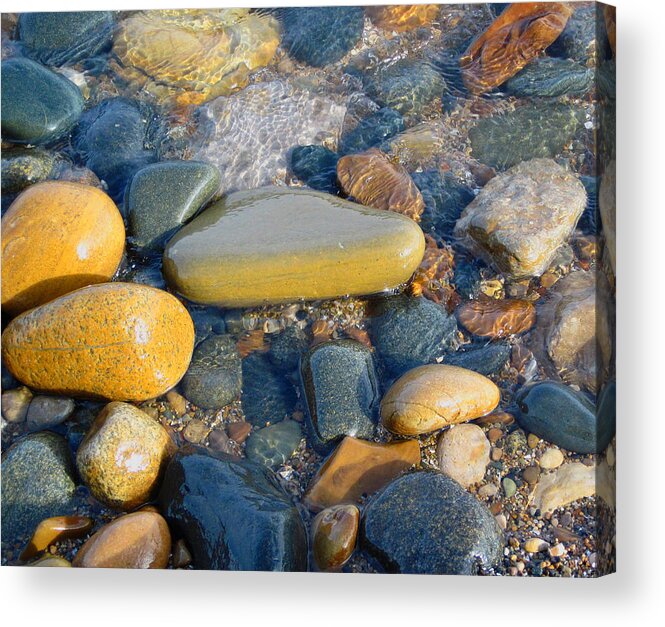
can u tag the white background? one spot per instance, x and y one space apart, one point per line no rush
636 595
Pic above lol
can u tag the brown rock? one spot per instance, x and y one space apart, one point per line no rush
238 431
431 397
334 533
519 34
357 468
463 453
51 561
496 318
120 341
181 555
54 530
138 540
433 277
177 402
496 454
552 458
56 238
15 404
195 431
402 17
123 455
531 474
494 435
374 181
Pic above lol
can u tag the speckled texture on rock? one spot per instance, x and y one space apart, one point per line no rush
463 453
371 131
456 534
551 78
23 167
274 445
484 359
118 341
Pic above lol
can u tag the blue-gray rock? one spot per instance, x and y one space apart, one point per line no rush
287 348
426 523
273 445
22 167
207 321
485 360
590 219
551 77
342 392
163 196
410 332
316 166
371 131
267 395
232 514
607 411
565 417
37 482
319 36
65 37
214 377
48 411
38 105
584 38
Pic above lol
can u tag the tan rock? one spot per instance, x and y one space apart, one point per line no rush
402 17
552 458
120 341
463 454
431 397
607 203
123 455
15 404
357 468
51 561
56 238
53 530
417 146
138 540
569 483
536 545
334 533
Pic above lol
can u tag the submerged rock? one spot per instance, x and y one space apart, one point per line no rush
569 483
273 445
494 318
551 78
403 17
372 131
316 166
485 360
463 453
334 533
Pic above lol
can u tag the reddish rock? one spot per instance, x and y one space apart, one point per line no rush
402 17
238 431
334 534
54 530
496 318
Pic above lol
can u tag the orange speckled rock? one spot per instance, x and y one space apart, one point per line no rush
375 181
402 17
58 237
123 456
515 37
496 318
53 530
431 397
120 341
138 540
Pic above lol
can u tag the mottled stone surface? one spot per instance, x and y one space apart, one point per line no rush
275 245
496 318
551 78
48 411
569 483
316 166
371 131
607 204
274 445
521 217
23 167
135 343
402 17
485 360
56 238
334 533
232 514
123 456
579 40
463 453
456 534
431 397
56 529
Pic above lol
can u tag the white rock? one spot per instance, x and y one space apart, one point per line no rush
463 453
569 483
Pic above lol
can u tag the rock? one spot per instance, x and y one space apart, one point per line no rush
207 321
115 139
531 474
607 206
320 36
431 397
357 468
15 404
232 514
531 131
267 395
308 246
56 529
65 38
218 441
287 347
560 415
48 411
463 454
52 561
181 555
456 534
316 166
521 217
509 487
518 35
375 181
37 482
550 78
135 345
238 431
214 377
403 17
417 146
138 540
487 491
486 360
163 196
273 445
552 458
56 238
23 167
408 86
195 431
580 39
568 483
410 332
342 392
334 533
535 545
371 131
38 105
188 57
249 136
496 318
123 456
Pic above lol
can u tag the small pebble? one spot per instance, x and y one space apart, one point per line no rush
552 458
496 454
15 404
535 545
531 474
502 521
238 431
219 441
558 550
494 434
532 440
195 431
178 402
489 489
509 487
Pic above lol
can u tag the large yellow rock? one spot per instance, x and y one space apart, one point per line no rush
57 237
431 397
120 341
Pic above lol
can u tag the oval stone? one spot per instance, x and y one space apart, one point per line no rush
463 453
57 237
276 245
138 540
120 341
334 533
434 396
